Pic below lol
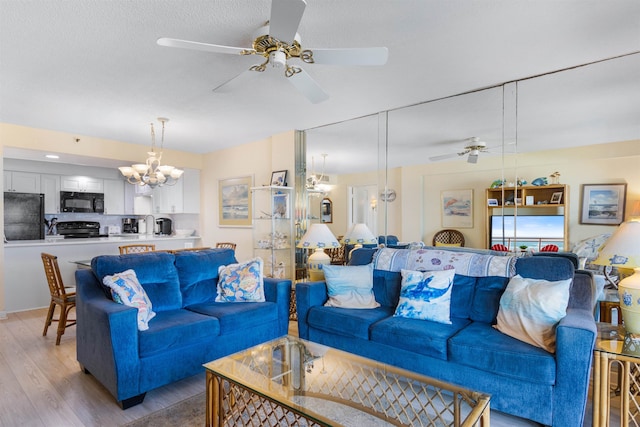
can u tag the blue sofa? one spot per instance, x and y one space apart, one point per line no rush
523 380
189 328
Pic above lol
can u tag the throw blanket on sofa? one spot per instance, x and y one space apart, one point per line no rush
465 263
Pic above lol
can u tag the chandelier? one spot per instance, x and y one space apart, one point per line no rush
152 173
315 182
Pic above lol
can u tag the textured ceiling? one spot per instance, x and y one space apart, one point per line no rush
92 67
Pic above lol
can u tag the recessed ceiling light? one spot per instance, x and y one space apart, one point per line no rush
52 156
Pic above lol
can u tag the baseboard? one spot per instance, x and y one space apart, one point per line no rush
3 315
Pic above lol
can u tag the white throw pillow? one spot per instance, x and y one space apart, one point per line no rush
241 282
126 289
426 295
530 309
350 286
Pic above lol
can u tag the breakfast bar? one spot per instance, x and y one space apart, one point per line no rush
25 284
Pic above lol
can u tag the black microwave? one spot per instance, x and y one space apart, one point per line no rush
73 201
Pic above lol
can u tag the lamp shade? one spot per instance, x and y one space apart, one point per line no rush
318 237
623 250
623 247
359 234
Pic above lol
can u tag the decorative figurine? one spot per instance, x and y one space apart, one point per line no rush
497 183
539 181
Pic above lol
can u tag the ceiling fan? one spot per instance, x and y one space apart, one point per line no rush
473 148
278 42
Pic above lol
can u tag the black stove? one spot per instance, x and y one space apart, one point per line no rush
79 229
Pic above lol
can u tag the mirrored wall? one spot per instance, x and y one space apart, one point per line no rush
391 170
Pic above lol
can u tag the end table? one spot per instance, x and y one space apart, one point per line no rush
614 346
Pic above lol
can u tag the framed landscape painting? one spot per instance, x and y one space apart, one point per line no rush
234 201
603 204
457 208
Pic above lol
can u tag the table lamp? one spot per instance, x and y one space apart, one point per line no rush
358 235
622 250
318 237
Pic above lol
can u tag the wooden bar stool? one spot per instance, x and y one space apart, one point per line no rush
63 296
137 248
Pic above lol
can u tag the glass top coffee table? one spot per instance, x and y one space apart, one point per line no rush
293 382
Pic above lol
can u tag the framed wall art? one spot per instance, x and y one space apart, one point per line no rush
279 178
603 204
281 206
457 208
556 198
234 201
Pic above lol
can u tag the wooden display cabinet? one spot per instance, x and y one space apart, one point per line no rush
551 200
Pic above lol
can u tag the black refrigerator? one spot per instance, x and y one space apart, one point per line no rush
23 216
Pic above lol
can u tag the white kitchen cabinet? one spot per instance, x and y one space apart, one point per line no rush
81 183
114 197
50 187
21 182
191 191
183 197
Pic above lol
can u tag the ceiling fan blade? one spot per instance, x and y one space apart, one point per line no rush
305 84
355 56
285 18
444 156
235 82
206 47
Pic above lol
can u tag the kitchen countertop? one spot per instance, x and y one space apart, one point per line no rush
114 238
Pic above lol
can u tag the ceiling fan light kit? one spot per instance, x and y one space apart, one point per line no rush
278 42
474 147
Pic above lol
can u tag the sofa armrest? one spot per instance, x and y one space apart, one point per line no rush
308 294
575 339
279 291
107 337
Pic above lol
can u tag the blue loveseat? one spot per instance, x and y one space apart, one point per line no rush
189 328
523 380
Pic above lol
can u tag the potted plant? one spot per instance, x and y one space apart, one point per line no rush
523 248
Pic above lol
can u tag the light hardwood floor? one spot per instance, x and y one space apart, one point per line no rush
41 384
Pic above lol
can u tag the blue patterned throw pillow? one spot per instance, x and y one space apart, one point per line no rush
426 295
126 289
241 282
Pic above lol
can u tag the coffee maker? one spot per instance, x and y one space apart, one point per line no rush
164 226
129 225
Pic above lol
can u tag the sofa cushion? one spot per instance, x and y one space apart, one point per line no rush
156 273
386 287
198 273
350 286
419 336
482 347
531 308
236 316
175 329
462 296
426 295
347 322
242 282
126 290
486 298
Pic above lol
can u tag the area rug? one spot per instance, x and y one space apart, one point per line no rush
187 413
